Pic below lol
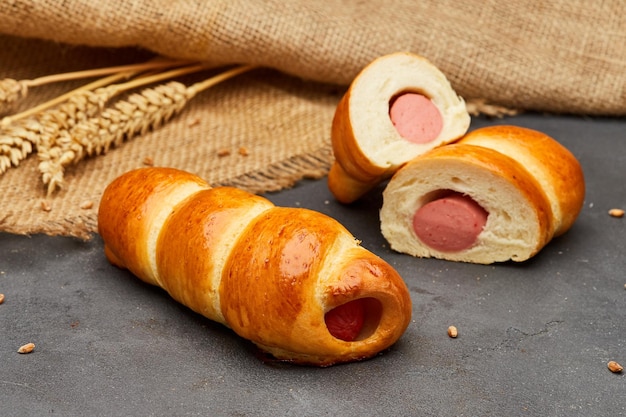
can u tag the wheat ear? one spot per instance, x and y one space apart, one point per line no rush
137 114
56 149
40 127
12 90
22 133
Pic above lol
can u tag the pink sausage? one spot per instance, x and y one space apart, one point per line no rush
450 224
345 321
416 118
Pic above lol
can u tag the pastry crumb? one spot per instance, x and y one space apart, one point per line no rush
45 206
86 205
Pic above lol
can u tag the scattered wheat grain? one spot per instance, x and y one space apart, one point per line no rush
86 205
453 332
27 348
615 367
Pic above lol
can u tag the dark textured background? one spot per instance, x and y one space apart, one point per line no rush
534 338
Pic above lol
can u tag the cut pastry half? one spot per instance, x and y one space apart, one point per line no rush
501 193
398 107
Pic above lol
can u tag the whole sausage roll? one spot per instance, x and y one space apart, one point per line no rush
293 281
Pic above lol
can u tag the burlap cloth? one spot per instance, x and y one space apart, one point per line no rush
558 56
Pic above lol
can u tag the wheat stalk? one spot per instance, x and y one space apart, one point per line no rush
12 90
60 149
137 114
20 134
43 126
41 108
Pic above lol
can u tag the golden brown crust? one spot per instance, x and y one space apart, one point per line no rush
554 166
352 174
520 219
127 210
267 272
281 253
511 172
193 238
284 255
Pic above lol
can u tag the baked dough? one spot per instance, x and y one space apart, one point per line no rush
274 275
367 147
531 186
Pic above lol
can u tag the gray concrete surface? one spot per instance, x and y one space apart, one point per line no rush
534 338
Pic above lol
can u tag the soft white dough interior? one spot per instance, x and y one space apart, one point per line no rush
512 228
383 80
175 197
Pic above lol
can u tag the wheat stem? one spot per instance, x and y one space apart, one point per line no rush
21 134
216 79
137 114
155 78
99 72
108 83
19 139
64 97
